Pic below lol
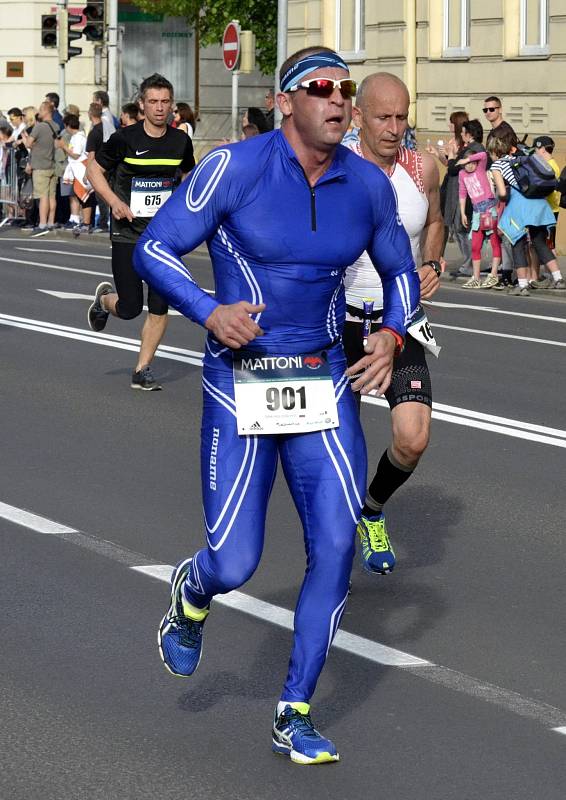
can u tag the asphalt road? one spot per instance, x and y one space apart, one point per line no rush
450 686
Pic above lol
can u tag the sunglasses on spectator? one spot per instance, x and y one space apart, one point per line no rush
323 87
491 109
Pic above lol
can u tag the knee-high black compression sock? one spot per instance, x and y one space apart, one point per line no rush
389 476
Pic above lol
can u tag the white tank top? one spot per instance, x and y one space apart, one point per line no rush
361 280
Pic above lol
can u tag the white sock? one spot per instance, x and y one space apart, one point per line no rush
75 218
556 276
523 283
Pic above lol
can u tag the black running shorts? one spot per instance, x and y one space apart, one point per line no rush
410 381
129 285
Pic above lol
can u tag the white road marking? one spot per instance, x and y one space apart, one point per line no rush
437 304
79 296
373 651
17 263
477 419
90 297
514 428
500 335
32 521
76 254
549 716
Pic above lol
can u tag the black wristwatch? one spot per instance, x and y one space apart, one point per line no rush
435 265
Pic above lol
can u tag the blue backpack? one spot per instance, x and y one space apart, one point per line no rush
534 175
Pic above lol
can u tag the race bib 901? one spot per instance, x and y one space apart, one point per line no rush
149 194
284 394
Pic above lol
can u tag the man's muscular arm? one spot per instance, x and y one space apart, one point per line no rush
433 231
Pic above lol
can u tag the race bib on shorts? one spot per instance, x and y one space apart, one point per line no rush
149 194
420 330
284 394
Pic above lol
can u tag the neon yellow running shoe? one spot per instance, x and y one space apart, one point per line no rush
377 553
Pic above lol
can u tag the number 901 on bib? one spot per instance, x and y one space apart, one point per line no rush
284 394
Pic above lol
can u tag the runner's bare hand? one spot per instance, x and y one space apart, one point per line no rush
121 210
376 367
430 281
232 324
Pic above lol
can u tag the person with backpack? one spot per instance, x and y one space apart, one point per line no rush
544 148
524 218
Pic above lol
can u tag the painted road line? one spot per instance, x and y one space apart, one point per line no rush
18 262
357 645
90 298
62 252
79 296
32 521
467 413
445 413
491 310
500 335
79 335
549 716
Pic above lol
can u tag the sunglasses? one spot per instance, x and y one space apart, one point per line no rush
491 110
323 87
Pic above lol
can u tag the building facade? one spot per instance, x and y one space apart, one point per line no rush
147 43
452 53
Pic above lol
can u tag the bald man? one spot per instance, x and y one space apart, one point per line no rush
381 113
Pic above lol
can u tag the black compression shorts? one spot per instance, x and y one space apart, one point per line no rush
129 285
410 381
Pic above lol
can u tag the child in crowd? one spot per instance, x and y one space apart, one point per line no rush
474 183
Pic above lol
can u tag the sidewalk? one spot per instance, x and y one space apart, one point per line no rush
454 260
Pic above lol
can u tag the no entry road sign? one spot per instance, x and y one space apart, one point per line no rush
231 45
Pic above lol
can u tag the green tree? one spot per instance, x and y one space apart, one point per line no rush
212 16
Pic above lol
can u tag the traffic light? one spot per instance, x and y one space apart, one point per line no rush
67 35
48 30
94 14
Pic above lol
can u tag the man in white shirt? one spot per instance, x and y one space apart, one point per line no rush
381 114
108 123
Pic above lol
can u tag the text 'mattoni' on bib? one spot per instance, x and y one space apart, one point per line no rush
149 194
284 394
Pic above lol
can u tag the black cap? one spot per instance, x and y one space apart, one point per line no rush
543 141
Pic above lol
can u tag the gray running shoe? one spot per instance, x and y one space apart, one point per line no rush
542 283
97 316
145 379
561 284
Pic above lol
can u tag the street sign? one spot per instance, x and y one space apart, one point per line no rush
231 45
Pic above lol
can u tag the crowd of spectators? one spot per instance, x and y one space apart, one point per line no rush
479 197
482 202
44 153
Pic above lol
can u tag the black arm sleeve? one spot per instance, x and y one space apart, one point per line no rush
188 161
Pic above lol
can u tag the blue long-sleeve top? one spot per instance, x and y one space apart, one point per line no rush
273 239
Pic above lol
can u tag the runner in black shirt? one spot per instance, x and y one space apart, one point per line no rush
144 159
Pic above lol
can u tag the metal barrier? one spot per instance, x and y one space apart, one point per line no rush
9 188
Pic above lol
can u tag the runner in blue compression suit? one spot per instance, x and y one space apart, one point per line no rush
274 240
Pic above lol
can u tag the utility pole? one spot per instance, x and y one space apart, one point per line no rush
281 51
411 59
113 70
62 22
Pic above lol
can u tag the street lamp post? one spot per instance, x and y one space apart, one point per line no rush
281 51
